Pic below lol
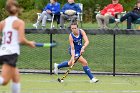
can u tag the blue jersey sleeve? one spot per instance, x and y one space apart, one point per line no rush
46 7
64 8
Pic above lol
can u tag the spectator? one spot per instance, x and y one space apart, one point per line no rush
69 11
52 8
107 13
131 16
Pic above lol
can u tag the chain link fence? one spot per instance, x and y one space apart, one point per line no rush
99 53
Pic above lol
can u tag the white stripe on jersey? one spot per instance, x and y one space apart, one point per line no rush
10 42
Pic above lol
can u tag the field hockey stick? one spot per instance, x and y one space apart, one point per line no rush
67 72
47 45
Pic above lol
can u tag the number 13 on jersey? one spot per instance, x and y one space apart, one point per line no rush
7 37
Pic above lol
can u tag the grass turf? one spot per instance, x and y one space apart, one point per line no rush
84 25
34 83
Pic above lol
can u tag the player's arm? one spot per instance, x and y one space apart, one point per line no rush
21 32
85 39
72 48
1 25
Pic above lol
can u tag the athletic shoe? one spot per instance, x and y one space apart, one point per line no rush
56 68
94 80
35 25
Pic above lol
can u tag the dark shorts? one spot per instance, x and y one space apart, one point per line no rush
9 59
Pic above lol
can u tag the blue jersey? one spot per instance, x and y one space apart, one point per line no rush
72 6
77 43
54 8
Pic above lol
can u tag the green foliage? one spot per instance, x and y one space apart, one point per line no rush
30 16
2 3
40 4
3 14
27 4
128 4
2 10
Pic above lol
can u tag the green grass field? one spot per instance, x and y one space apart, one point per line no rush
84 25
34 83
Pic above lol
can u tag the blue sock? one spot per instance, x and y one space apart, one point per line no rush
87 71
63 64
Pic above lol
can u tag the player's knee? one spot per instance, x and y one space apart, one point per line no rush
5 83
16 80
69 63
85 64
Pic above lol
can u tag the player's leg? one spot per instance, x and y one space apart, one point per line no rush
61 65
15 81
6 74
9 71
87 69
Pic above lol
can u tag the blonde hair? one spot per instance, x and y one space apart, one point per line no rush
12 7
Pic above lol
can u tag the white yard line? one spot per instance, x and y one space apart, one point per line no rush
101 91
78 81
74 91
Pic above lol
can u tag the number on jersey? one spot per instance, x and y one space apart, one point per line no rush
7 37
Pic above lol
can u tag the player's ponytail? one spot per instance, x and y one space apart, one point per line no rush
12 7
